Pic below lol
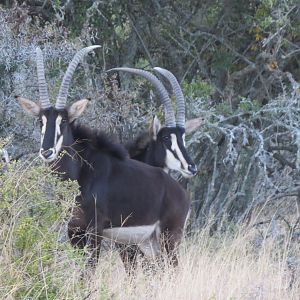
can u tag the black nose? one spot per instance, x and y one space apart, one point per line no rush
47 153
193 169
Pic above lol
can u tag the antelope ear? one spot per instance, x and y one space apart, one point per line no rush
77 108
154 127
193 124
29 106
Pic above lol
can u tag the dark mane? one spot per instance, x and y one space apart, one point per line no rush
99 141
139 144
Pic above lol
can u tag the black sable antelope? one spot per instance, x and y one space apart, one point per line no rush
163 147
120 198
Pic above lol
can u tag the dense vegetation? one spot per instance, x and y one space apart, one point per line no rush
238 63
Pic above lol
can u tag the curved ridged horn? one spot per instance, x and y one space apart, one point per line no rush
163 94
43 91
64 88
180 103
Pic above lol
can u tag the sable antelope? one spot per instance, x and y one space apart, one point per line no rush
163 147
120 198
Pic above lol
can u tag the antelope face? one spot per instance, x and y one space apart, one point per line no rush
55 120
55 125
176 157
171 142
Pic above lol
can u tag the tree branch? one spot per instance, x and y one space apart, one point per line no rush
284 161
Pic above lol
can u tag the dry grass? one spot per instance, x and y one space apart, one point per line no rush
37 262
238 266
210 268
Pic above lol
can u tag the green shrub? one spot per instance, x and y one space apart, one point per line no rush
34 207
197 88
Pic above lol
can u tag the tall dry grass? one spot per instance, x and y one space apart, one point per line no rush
37 262
224 267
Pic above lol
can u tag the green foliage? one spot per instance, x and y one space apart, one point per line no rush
142 63
34 204
213 13
78 17
263 12
224 109
248 105
197 88
4 141
222 59
273 14
123 30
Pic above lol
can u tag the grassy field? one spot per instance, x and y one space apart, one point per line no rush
224 267
37 262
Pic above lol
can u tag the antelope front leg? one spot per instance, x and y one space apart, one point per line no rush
94 242
128 254
77 228
171 241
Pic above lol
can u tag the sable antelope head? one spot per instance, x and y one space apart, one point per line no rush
55 120
167 144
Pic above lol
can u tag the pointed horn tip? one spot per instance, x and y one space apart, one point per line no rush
135 71
110 70
118 69
163 71
94 46
168 74
90 48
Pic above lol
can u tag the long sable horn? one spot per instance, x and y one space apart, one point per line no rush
180 103
43 91
64 87
163 94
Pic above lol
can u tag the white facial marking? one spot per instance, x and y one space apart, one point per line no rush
58 139
44 121
172 162
166 169
176 149
50 158
57 125
59 144
57 129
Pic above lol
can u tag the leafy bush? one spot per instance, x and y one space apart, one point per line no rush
34 254
197 88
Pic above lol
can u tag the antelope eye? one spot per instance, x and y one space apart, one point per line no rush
41 122
166 138
63 120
